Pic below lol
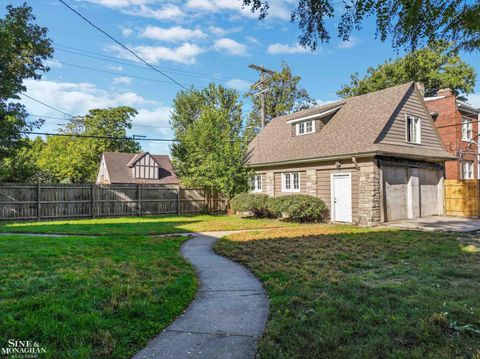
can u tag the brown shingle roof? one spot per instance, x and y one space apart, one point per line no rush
352 130
120 172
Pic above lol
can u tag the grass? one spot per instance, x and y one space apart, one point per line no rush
364 294
143 225
84 297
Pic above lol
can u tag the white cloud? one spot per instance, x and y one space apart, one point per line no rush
143 8
352 42
173 34
238 84
230 46
53 64
280 9
76 98
218 31
159 116
252 40
122 80
185 54
278 48
127 32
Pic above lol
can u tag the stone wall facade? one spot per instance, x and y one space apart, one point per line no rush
369 200
311 182
270 178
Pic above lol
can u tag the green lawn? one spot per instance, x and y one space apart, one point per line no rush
85 297
365 294
143 225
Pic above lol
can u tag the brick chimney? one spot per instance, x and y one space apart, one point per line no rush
446 92
421 88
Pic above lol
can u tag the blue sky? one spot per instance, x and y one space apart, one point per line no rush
195 42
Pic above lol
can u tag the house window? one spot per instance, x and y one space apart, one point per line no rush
467 170
306 127
413 129
467 129
291 182
256 183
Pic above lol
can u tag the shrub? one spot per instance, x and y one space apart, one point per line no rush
256 204
299 208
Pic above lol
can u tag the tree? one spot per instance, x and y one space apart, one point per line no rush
436 66
22 165
76 159
23 48
211 149
412 24
285 96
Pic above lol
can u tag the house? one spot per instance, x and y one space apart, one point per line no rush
457 124
372 158
138 168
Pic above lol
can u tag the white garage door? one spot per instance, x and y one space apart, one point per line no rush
411 192
395 192
429 192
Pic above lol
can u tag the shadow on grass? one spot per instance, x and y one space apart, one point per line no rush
143 225
357 295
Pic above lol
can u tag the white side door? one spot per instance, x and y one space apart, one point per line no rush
341 197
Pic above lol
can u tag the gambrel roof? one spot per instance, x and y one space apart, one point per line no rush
358 126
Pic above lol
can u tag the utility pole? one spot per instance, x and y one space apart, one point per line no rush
262 87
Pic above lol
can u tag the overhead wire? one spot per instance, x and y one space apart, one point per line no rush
65 119
122 45
47 105
98 137
103 57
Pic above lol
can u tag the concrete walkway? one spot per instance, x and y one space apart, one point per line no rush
226 318
439 223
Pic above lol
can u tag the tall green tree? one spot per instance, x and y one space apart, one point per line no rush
76 159
211 148
24 47
22 165
411 24
285 96
437 66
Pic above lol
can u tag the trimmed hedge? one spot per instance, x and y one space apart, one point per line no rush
299 208
256 204
295 208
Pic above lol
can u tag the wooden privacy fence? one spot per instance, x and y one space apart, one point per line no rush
462 198
50 201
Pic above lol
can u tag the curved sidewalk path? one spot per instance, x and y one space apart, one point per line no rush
227 316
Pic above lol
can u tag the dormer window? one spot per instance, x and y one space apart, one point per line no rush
306 127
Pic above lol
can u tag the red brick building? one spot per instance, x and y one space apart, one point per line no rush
457 123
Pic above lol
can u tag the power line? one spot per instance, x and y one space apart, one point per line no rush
122 45
65 119
262 86
97 137
115 73
47 105
98 56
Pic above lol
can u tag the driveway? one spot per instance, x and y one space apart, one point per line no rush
439 223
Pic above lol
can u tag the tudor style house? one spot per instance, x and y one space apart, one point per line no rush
457 124
138 168
372 158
